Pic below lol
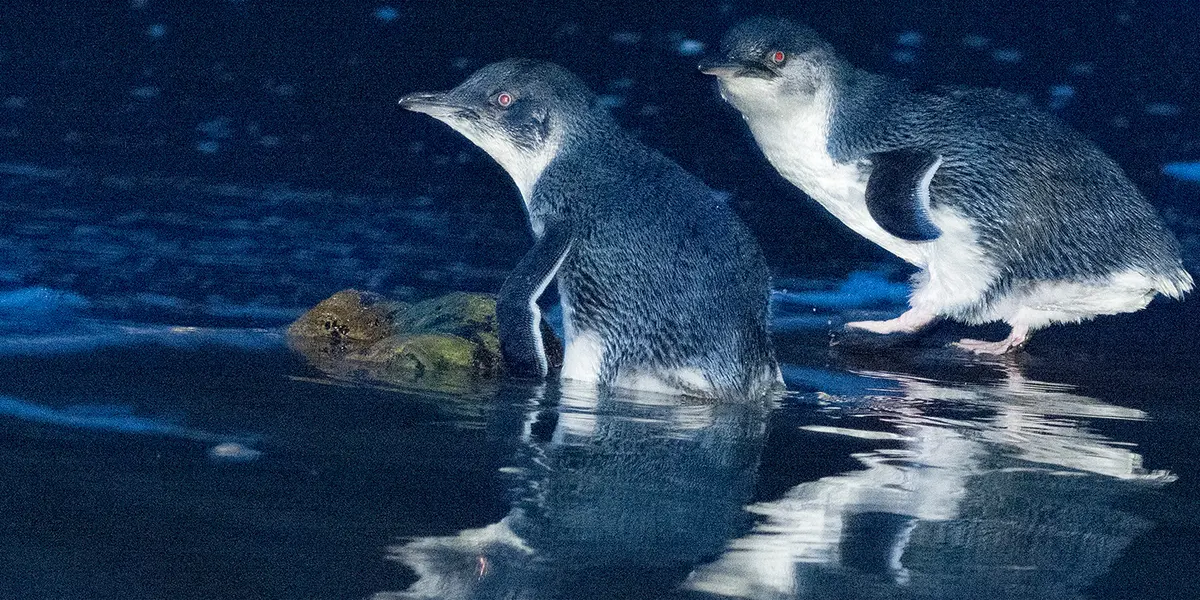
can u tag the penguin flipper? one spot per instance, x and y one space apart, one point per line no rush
898 193
517 313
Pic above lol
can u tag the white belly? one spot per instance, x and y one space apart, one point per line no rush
584 354
582 357
583 351
1048 302
956 270
798 151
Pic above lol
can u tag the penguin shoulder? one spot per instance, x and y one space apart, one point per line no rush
870 113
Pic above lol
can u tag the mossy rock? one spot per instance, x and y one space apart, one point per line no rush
457 313
424 352
450 336
349 316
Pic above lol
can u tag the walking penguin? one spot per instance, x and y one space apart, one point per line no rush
1008 213
662 287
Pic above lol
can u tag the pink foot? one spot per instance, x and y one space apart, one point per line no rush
1014 342
909 322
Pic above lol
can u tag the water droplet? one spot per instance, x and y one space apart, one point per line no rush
1163 109
690 47
625 38
976 41
233 451
1007 55
387 14
1083 68
145 92
909 39
610 101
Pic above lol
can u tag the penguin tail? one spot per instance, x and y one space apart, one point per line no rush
1175 284
759 381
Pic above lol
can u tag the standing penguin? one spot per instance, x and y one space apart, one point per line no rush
1009 214
662 287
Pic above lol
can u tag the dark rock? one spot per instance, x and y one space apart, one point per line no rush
445 340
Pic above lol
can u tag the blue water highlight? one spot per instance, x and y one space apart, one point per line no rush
121 420
861 289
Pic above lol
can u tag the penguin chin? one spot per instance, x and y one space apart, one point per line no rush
761 97
740 91
496 141
753 96
523 156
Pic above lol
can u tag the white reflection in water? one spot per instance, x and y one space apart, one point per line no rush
958 490
603 484
995 487
1042 422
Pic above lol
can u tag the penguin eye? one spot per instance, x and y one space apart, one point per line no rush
503 99
778 57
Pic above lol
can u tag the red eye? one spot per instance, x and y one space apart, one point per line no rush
504 99
778 57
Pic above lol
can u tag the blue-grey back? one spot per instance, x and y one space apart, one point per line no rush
653 240
1045 199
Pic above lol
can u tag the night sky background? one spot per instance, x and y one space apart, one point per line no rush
256 93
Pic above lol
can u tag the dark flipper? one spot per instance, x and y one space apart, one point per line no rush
517 313
898 193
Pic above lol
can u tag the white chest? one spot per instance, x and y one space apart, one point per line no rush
524 165
797 147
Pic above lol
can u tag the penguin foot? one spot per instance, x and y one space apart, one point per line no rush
880 327
909 322
1014 342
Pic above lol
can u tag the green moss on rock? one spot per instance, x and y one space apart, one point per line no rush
349 315
452 336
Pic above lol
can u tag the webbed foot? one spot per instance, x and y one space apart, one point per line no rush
911 321
1013 343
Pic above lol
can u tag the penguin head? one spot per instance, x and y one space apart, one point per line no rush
518 110
772 63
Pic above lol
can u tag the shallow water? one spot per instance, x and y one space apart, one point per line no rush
164 443
227 467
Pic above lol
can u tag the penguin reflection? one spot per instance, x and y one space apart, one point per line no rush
619 496
982 494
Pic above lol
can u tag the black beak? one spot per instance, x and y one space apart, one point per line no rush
719 67
731 68
430 103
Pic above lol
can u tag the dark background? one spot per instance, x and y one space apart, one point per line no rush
216 161
251 92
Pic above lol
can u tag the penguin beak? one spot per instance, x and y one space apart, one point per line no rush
728 69
719 68
434 104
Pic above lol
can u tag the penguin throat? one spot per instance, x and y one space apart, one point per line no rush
524 165
770 102
526 169
794 136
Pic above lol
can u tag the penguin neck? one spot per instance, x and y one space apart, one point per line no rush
793 133
525 167
804 141
810 115
591 142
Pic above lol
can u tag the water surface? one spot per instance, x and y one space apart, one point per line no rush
166 444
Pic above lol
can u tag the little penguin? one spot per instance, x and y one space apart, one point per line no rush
1008 213
662 287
